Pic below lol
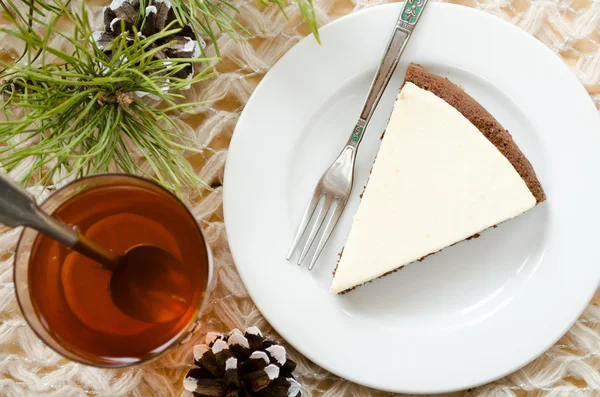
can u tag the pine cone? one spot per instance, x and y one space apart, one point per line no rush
125 14
241 365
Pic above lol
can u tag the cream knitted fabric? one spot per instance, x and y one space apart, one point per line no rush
571 28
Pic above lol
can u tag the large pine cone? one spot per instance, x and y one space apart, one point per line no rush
241 365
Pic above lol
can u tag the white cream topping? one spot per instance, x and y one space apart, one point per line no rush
436 181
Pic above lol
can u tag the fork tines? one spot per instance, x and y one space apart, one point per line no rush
332 210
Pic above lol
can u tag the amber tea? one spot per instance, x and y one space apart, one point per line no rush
70 293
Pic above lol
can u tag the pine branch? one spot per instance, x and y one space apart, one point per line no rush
80 113
77 112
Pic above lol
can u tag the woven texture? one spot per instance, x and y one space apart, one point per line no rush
570 28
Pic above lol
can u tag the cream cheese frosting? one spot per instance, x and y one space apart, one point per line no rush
436 181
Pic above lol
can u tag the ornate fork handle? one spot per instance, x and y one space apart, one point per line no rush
402 32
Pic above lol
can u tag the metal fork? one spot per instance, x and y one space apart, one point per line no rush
335 184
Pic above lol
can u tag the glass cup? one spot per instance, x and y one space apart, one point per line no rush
27 288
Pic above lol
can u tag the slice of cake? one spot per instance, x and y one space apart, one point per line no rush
445 171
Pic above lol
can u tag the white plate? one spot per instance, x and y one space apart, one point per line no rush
470 314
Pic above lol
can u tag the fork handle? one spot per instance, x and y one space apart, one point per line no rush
402 31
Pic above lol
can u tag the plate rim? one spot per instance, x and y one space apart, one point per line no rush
479 14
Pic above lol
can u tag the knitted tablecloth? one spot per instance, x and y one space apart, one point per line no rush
570 28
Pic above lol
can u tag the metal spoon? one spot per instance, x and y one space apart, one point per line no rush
147 283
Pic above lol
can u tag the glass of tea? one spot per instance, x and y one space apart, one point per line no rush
65 297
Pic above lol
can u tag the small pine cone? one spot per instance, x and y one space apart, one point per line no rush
241 365
123 15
